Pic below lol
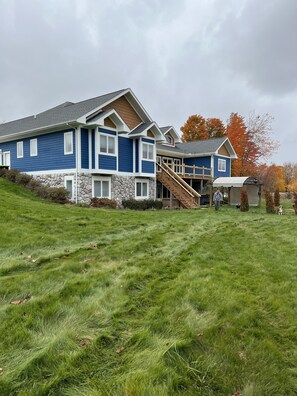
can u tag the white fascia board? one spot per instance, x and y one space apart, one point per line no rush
170 153
53 172
113 115
139 105
157 132
134 102
84 117
177 136
39 131
230 147
182 155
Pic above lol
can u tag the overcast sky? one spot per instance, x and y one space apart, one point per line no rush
180 57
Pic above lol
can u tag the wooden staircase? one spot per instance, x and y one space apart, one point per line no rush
187 196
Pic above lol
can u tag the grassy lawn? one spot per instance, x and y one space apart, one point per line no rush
145 303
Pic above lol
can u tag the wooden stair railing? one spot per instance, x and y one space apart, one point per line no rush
188 197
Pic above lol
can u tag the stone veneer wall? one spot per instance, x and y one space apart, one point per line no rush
122 187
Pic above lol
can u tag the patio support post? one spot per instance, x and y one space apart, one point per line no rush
210 196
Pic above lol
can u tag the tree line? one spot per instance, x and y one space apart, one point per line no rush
252 140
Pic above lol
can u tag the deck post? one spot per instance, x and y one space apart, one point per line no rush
210 196
259 195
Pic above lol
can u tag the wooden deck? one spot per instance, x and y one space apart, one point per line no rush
191 171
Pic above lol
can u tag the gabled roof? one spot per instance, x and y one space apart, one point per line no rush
69 112
141 129
171 129
165 129
199 147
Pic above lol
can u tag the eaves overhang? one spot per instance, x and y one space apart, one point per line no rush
40 131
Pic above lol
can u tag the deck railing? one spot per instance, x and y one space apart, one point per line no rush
191 171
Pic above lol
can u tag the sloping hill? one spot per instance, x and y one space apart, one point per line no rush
98 302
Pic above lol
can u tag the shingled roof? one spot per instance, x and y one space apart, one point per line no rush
61 114
198 147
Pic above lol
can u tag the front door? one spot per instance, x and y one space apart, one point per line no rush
6 158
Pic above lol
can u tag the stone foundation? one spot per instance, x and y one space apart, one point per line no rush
122 187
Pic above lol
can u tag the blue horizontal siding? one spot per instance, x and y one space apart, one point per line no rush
125 149
107 162
84 148
198 161
102 130
218 173
50 148
148 167
148 140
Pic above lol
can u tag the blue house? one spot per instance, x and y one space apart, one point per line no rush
110 147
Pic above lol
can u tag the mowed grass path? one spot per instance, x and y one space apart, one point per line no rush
145 303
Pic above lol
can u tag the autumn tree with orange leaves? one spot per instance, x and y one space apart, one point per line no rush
251 138
215 128
198 128
272 177
194 129
237 133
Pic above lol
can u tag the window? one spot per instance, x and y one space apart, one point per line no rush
20 149
148 151
177 165
142 189
107 144
33 147
68 143
68 181
101 187
169 139
221 165
6 158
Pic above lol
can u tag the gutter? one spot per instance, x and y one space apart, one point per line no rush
42 129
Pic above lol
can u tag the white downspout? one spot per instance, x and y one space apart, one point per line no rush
76 166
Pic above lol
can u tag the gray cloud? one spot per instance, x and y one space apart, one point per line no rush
181 57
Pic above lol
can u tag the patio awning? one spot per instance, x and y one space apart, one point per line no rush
234 181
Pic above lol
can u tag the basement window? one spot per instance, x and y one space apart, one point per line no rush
142 189
68 182
101 187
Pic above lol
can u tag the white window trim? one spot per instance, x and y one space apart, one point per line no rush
68 134
101 178
4 153
20 144
222 163
31 142
115 144
154 151
142 181
66 178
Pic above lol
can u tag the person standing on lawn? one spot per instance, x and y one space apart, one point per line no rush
217 199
